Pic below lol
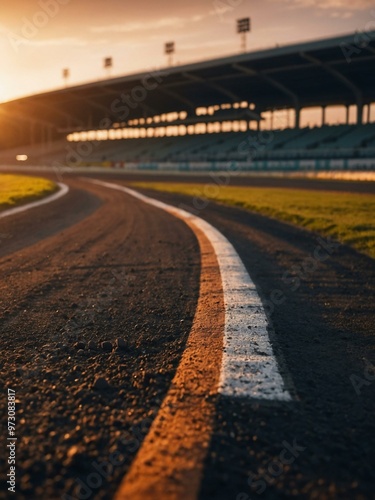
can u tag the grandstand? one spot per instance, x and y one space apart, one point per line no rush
348 141
204 115
337 146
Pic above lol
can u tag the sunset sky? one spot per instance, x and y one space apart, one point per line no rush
38 38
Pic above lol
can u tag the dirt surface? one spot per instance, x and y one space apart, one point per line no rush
126 271
322 315
112 267
25 229
170 463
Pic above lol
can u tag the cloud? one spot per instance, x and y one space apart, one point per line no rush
343 14
346 5
51 42
131 27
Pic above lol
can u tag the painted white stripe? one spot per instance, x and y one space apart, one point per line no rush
249 367
64 189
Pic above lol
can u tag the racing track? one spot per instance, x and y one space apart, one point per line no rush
99 264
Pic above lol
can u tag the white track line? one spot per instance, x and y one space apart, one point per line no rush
64 189
249 367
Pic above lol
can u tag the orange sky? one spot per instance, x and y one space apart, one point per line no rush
40 38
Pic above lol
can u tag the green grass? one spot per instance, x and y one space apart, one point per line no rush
19 189
350 218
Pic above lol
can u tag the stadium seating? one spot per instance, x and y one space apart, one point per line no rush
328 142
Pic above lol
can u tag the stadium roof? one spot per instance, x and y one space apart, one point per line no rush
338 70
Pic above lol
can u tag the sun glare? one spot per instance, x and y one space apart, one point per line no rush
9 90
3 93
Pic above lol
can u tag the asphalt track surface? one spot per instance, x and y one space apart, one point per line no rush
98 265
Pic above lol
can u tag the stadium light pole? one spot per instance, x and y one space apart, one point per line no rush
108 64
243 27
169 50
65 75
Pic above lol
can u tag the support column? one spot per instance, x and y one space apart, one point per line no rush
347 114
368 113
359 112
298 117
323 115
